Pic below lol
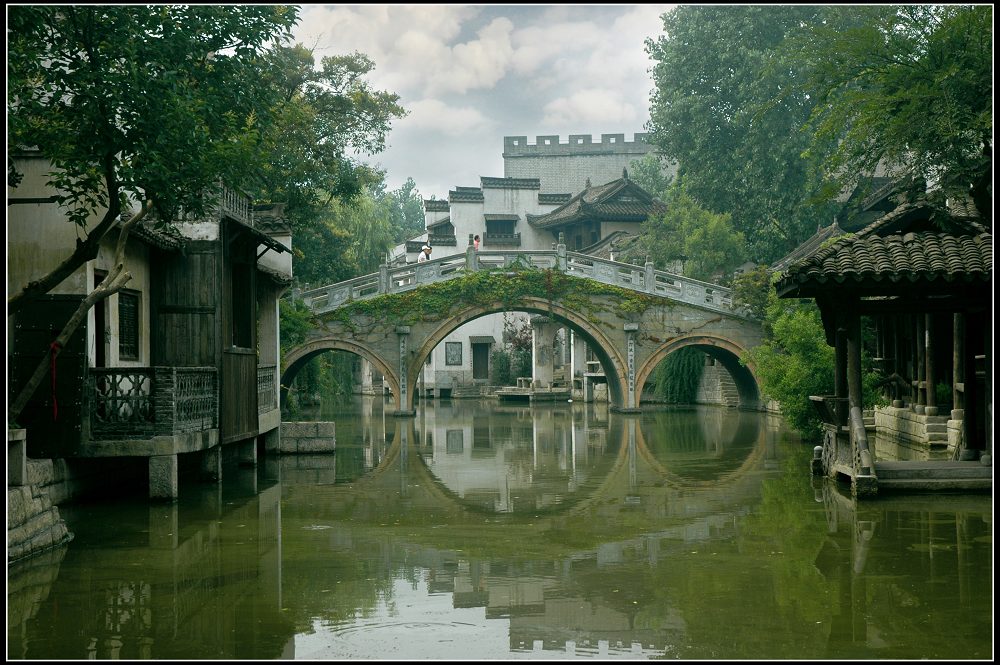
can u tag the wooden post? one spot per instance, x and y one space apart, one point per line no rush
929 379
958 363
921 363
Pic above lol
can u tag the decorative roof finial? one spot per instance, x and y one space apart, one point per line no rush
587 184
625 174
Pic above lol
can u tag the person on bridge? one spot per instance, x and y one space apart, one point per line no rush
425 254
475 243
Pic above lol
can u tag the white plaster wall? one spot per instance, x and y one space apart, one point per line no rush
280 262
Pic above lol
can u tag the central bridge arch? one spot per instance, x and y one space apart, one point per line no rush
297 358
611 360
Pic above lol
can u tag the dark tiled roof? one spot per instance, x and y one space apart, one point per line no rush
822 235
436 205
914 243
509 183
166 237
620 200
473 194
446 220
553 199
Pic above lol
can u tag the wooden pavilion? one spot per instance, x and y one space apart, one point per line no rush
921 276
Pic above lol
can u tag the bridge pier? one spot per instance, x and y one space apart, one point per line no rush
631 404
403 399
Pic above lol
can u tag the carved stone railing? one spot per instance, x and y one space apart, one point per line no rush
644 279
143 402
267 395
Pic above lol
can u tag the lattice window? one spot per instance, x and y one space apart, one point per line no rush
128 325
452 353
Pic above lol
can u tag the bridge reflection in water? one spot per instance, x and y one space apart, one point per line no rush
562 532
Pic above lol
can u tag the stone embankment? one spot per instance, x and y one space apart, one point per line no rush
33 522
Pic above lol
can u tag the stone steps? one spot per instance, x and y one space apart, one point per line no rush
932 470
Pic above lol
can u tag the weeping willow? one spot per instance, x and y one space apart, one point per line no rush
676 379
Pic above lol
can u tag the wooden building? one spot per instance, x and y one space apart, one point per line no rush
174 369
921 278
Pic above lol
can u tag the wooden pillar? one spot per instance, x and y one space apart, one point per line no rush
853 324
840 369
958 364
921 363
929 378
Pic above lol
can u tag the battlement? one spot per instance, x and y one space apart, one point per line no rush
547 145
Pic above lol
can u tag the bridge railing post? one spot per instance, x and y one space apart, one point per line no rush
561 263
383 278
471 259
650 277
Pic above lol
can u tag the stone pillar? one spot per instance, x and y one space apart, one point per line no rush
543 332
211 464
383 279
247 452
366 377
17 458
650 277
163 482
631 401
471 258
403 401
561 263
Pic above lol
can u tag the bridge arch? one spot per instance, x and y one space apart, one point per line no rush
723 350
295 360
609 356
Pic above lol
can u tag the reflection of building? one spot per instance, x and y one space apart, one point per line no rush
202 587
510 464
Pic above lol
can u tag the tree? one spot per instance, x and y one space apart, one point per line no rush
322 117
706 242
726 109
131 104
794 360
908 88
135 103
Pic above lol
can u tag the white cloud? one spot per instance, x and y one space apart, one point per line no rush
589 108
475 73
436 116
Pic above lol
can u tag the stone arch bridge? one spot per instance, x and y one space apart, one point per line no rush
631 316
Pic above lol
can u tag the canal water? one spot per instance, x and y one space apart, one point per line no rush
478 530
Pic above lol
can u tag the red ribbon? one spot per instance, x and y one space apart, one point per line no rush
54 347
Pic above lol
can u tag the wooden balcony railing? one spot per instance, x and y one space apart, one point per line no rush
142 402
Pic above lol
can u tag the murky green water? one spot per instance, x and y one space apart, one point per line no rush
478 531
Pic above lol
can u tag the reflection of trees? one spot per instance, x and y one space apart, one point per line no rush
700 444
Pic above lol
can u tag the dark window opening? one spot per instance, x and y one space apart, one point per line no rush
242 305
128 325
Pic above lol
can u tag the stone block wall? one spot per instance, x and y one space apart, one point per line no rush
307 438
905 435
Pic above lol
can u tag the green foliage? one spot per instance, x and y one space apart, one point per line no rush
490 288
323 116
724 107
750 291
908 87
144 102
676 379
706 242
652 174
296 321
501 373
794 361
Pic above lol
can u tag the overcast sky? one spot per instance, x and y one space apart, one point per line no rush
471 74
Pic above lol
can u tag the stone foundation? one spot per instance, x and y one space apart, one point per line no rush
33 522
905 435
307 438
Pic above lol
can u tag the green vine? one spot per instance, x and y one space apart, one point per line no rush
486 288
